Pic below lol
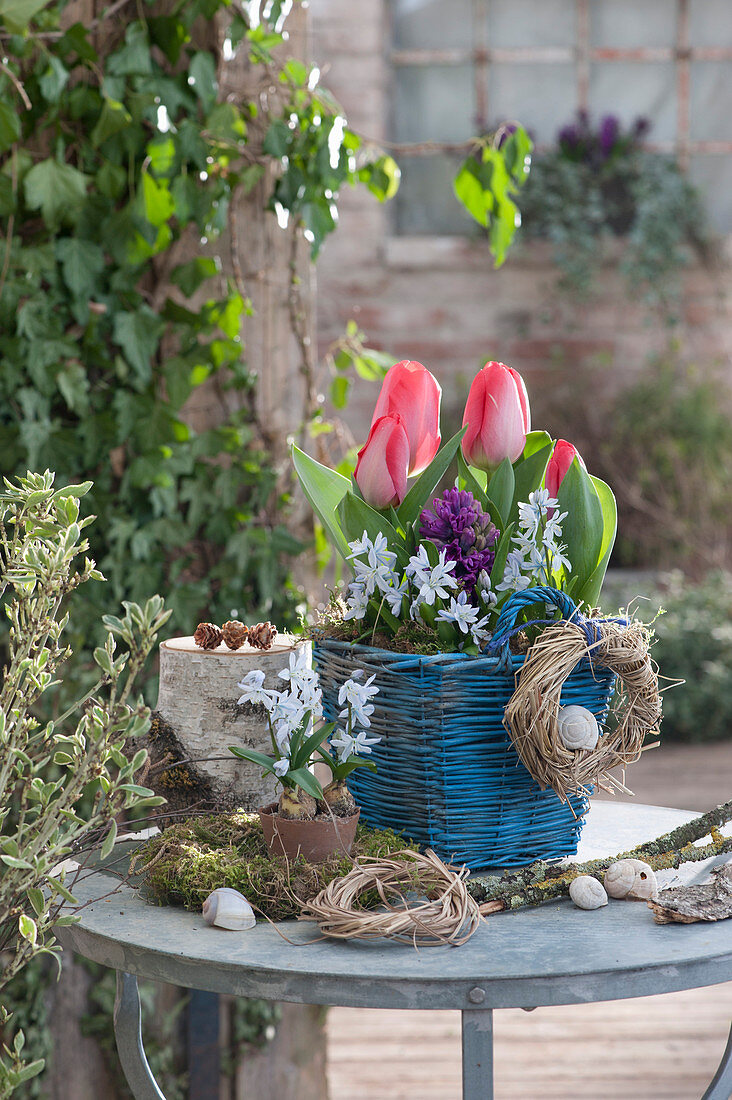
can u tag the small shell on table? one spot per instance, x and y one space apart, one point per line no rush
577 727
631 879
227 908
587 893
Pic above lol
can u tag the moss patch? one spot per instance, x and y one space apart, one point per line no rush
184 863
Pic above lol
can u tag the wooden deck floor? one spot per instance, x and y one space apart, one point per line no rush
655 1048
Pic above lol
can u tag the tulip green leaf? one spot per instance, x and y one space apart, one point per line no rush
531 468
589 594
501 490
535 441
428 481
324 489
583 527
499 562
357 516
470 479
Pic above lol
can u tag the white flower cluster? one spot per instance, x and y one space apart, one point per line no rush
286 709
376 574
538 556
357 710
422 584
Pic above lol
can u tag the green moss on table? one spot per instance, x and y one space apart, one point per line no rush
184 863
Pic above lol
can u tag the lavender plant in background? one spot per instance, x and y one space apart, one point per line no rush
584 143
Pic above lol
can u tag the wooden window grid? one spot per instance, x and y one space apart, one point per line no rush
582 55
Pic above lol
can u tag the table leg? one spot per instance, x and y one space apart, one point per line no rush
128 1033
478 1054
721 1086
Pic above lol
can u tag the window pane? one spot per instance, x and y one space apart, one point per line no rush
425 202
713 176
628 89
525 23
432 24
435 103
710 23
541 97
633 23
711 101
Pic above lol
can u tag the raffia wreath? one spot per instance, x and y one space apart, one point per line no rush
531 714
421 901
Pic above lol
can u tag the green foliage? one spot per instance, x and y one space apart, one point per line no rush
65 780
668 451
116 162
638 195
694 644
24 1012
488 182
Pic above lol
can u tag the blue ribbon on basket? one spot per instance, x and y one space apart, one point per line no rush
498 646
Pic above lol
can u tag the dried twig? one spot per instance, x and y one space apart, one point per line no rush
542 881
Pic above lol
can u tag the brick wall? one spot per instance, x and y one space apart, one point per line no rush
440 301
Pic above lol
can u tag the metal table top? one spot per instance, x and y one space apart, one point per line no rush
549 955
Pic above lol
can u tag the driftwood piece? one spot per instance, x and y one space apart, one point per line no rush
198 717
689 904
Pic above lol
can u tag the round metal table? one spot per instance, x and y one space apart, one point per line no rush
550 955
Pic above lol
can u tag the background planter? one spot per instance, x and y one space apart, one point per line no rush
447 772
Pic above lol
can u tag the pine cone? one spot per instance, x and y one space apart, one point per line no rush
262 635
207 636
235 633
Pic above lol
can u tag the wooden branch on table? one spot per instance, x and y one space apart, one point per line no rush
542 881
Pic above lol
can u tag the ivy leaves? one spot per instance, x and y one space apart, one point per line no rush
94 372
57 190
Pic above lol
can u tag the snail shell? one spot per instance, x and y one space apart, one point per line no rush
631 879
577 727
587 893
227 908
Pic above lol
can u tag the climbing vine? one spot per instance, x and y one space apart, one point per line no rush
115 156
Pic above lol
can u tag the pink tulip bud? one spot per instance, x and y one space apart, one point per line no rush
381 470
411 391
562 458
497 415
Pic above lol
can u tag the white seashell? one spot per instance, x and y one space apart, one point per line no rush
645 886
632 879
587 893
227 908
577 727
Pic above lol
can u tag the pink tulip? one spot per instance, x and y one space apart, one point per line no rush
381 470
497 415
411 391
562 458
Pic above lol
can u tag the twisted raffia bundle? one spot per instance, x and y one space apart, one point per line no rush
423 902
531 715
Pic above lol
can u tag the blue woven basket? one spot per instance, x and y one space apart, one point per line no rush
448 774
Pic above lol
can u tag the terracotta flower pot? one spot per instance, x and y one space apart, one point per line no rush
316 840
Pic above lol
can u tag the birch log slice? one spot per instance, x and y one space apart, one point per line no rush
198 717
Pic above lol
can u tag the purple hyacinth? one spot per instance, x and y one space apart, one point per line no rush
457 523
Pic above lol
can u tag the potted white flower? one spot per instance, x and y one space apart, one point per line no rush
310 820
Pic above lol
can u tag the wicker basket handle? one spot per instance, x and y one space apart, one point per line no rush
505 627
